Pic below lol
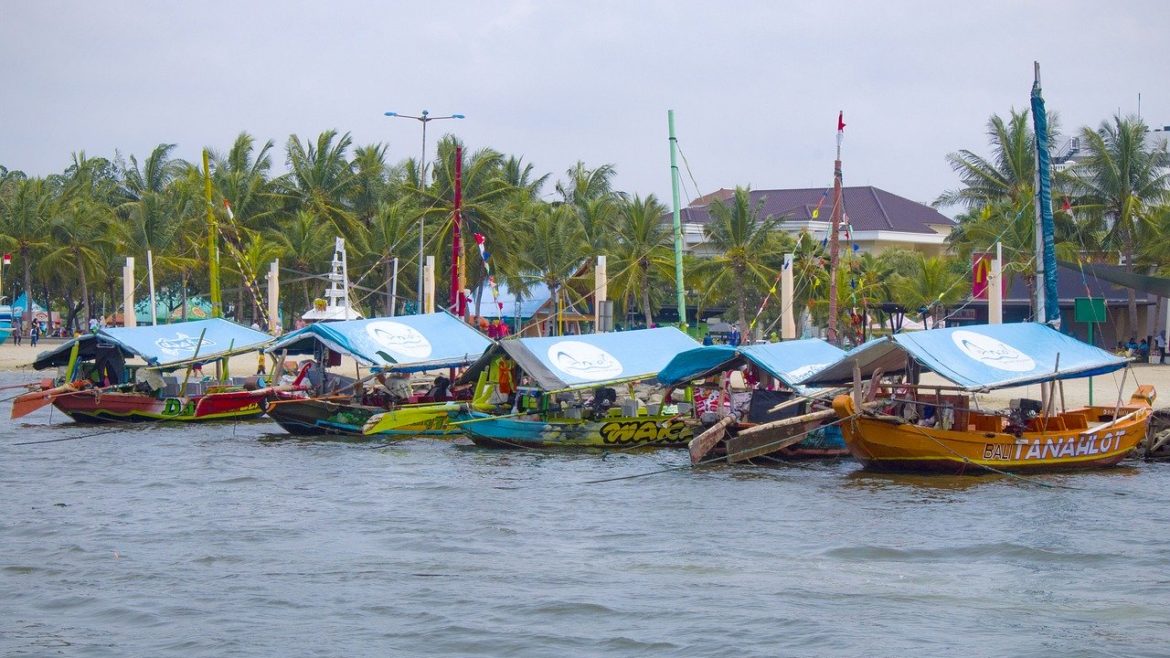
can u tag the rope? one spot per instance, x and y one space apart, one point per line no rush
70 438
704 462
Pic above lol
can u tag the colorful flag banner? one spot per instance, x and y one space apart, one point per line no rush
491 278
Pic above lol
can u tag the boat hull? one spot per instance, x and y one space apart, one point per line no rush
90 406
611 432
819 442
317 416
887 443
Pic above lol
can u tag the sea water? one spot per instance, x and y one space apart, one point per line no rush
237 540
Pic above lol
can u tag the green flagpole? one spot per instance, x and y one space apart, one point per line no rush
212 242
678 246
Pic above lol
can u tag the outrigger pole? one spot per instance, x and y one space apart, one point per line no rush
212 241
678 261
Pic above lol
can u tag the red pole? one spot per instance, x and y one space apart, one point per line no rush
457 302
834 238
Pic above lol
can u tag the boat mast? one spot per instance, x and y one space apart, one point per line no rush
834 240
212 241
1047 302
678 246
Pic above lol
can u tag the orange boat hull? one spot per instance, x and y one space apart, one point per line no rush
892 444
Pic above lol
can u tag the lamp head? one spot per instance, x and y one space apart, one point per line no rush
391 114
456 116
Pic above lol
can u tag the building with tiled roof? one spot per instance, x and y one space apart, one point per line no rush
878 220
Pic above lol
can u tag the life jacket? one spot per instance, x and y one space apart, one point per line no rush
504 376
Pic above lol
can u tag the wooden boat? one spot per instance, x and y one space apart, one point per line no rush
1085 437
567 396
940 428
96 385
392 347
772 419
550 430
341 415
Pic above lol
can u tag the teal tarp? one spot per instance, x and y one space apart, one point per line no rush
788 361
404 343
978 357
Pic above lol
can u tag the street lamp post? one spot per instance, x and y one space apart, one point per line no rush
423 118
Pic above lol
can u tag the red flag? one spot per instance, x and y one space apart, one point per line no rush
7 259
841 121
1066 206
980 274
228 207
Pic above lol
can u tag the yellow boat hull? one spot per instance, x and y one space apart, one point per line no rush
890 443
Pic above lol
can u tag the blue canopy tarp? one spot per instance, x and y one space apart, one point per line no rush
787 361
405 343
165 344
569 362
977 357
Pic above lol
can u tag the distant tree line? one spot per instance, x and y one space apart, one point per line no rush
70 233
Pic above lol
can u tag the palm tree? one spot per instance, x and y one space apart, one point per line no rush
1008 176
392 231
83 225
642 252
26 208
150 202
553 249
584 184
742 237
242 177
932 284
521 176
371 183
1121 179
490 205
301 241
320 181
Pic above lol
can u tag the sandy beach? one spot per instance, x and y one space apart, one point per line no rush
19 358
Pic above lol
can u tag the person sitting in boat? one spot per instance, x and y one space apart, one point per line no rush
440 389
312 373
603 398
397 386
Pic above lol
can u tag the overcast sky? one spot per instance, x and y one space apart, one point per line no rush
755 86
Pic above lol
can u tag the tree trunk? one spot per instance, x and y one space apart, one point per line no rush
25 262
85 310
645 298
183 312
740 291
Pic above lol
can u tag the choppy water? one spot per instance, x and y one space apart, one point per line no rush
234 540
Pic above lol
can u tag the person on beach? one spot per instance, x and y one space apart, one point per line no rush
1160 343
16 334
34 334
